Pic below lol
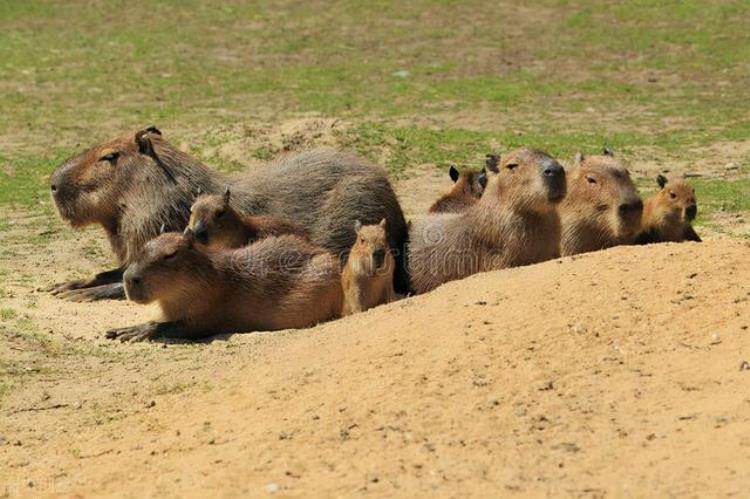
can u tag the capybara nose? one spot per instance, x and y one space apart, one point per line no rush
133 281
631 208
200 232
379 257
552 169
691 212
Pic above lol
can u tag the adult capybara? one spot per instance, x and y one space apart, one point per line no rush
602 208
275 283
514 223
367 279
668 214
468 186
134 184
215 223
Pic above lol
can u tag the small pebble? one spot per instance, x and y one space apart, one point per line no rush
745 366
272 487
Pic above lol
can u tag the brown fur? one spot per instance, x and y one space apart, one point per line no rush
367 279
467 189
134 184
602 208
514 223
217 224
668 214
276 283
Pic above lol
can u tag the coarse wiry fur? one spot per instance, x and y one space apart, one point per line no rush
668 214
467 188
276 283
514 223
217 224
367 278
602 208
133 185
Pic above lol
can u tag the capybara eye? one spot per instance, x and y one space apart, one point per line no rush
672 195
170 255
220 213
111 157
590 179
511 166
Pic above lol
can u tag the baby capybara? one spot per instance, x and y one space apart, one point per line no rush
136 183
367 278
602 208
276 283
514 223
215 223
468 186
668 214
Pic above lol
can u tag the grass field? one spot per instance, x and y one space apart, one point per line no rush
422 82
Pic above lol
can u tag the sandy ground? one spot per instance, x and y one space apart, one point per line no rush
618 373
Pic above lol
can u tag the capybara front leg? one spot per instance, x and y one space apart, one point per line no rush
144 332
114 291
108 277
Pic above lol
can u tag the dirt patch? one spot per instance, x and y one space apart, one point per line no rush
537 380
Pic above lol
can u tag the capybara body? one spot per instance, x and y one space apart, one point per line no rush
275 283
135 184
668 214
367 278
514 223
215 223
602 208
468 186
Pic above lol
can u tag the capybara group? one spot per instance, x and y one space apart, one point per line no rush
602 208
668 215
136 183
367 278
468 186
275 283
514 223
321 234
215 223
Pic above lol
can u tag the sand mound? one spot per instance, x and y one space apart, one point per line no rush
615 373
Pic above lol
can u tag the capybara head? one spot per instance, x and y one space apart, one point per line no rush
371 252
469 180
214 223
527 180
166 268
90 187
601 191
677 198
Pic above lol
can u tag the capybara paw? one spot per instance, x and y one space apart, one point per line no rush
106 292
141 332
61 287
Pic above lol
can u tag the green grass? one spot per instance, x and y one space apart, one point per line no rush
431 81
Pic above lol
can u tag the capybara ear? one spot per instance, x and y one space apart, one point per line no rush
145 147
143 141
357 226
579 158
453 172
382 223
227 196
482 178
661 180
491 162
607 151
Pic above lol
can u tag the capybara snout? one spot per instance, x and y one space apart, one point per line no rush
134 285
691 212
378 258
554 179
